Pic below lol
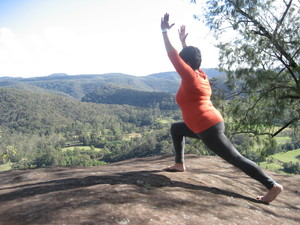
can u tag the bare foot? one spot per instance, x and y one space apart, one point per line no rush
177 167
271 194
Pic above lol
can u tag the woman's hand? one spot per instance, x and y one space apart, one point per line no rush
165 22
182 35
164 27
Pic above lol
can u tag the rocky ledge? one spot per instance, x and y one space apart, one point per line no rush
137 191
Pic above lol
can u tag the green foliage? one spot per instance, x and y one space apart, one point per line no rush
8 154
291 167
36 127
131 97
261 58
5 167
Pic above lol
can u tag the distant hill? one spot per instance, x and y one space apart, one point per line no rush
35 125
166 75
58 75
25 111
210 72
77 86
121 96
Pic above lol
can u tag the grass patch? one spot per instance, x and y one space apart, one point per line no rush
5 167
80 147
271 166
290 156
275 162
130 136
165 120
282 140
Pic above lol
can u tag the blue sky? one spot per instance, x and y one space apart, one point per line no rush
42 37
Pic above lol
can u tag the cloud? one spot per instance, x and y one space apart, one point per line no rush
99 37
11 47
14 53
55 49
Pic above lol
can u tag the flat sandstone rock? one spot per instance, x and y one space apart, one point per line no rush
136 191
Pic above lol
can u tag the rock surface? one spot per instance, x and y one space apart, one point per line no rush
136 191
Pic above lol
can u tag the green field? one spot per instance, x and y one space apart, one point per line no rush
275 162
282 140
290 156
5 167
84 148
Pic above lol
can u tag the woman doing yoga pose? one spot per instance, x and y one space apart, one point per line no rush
201 119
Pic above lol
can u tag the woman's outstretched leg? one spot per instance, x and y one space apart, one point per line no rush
215 139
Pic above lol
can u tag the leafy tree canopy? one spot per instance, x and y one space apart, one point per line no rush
262 56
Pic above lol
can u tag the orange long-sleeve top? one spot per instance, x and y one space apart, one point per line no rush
193 96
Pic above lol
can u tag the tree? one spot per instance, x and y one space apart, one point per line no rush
8 154
261 58
291 167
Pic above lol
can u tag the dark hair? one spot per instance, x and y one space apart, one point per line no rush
191 56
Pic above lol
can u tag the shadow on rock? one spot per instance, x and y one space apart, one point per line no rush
145 179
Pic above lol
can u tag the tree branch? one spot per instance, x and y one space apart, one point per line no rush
267 133
264 32
253 106
283 17
285 126
252 132
290 96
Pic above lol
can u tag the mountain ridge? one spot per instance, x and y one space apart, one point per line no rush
211 72
77 86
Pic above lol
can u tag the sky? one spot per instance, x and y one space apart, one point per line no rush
43 37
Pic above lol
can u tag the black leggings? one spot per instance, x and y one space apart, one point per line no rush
215 139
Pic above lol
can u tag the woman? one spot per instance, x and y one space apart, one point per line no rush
201 119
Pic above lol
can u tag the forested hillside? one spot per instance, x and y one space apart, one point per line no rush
36 127
80 85
108 95
89 120
28 112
